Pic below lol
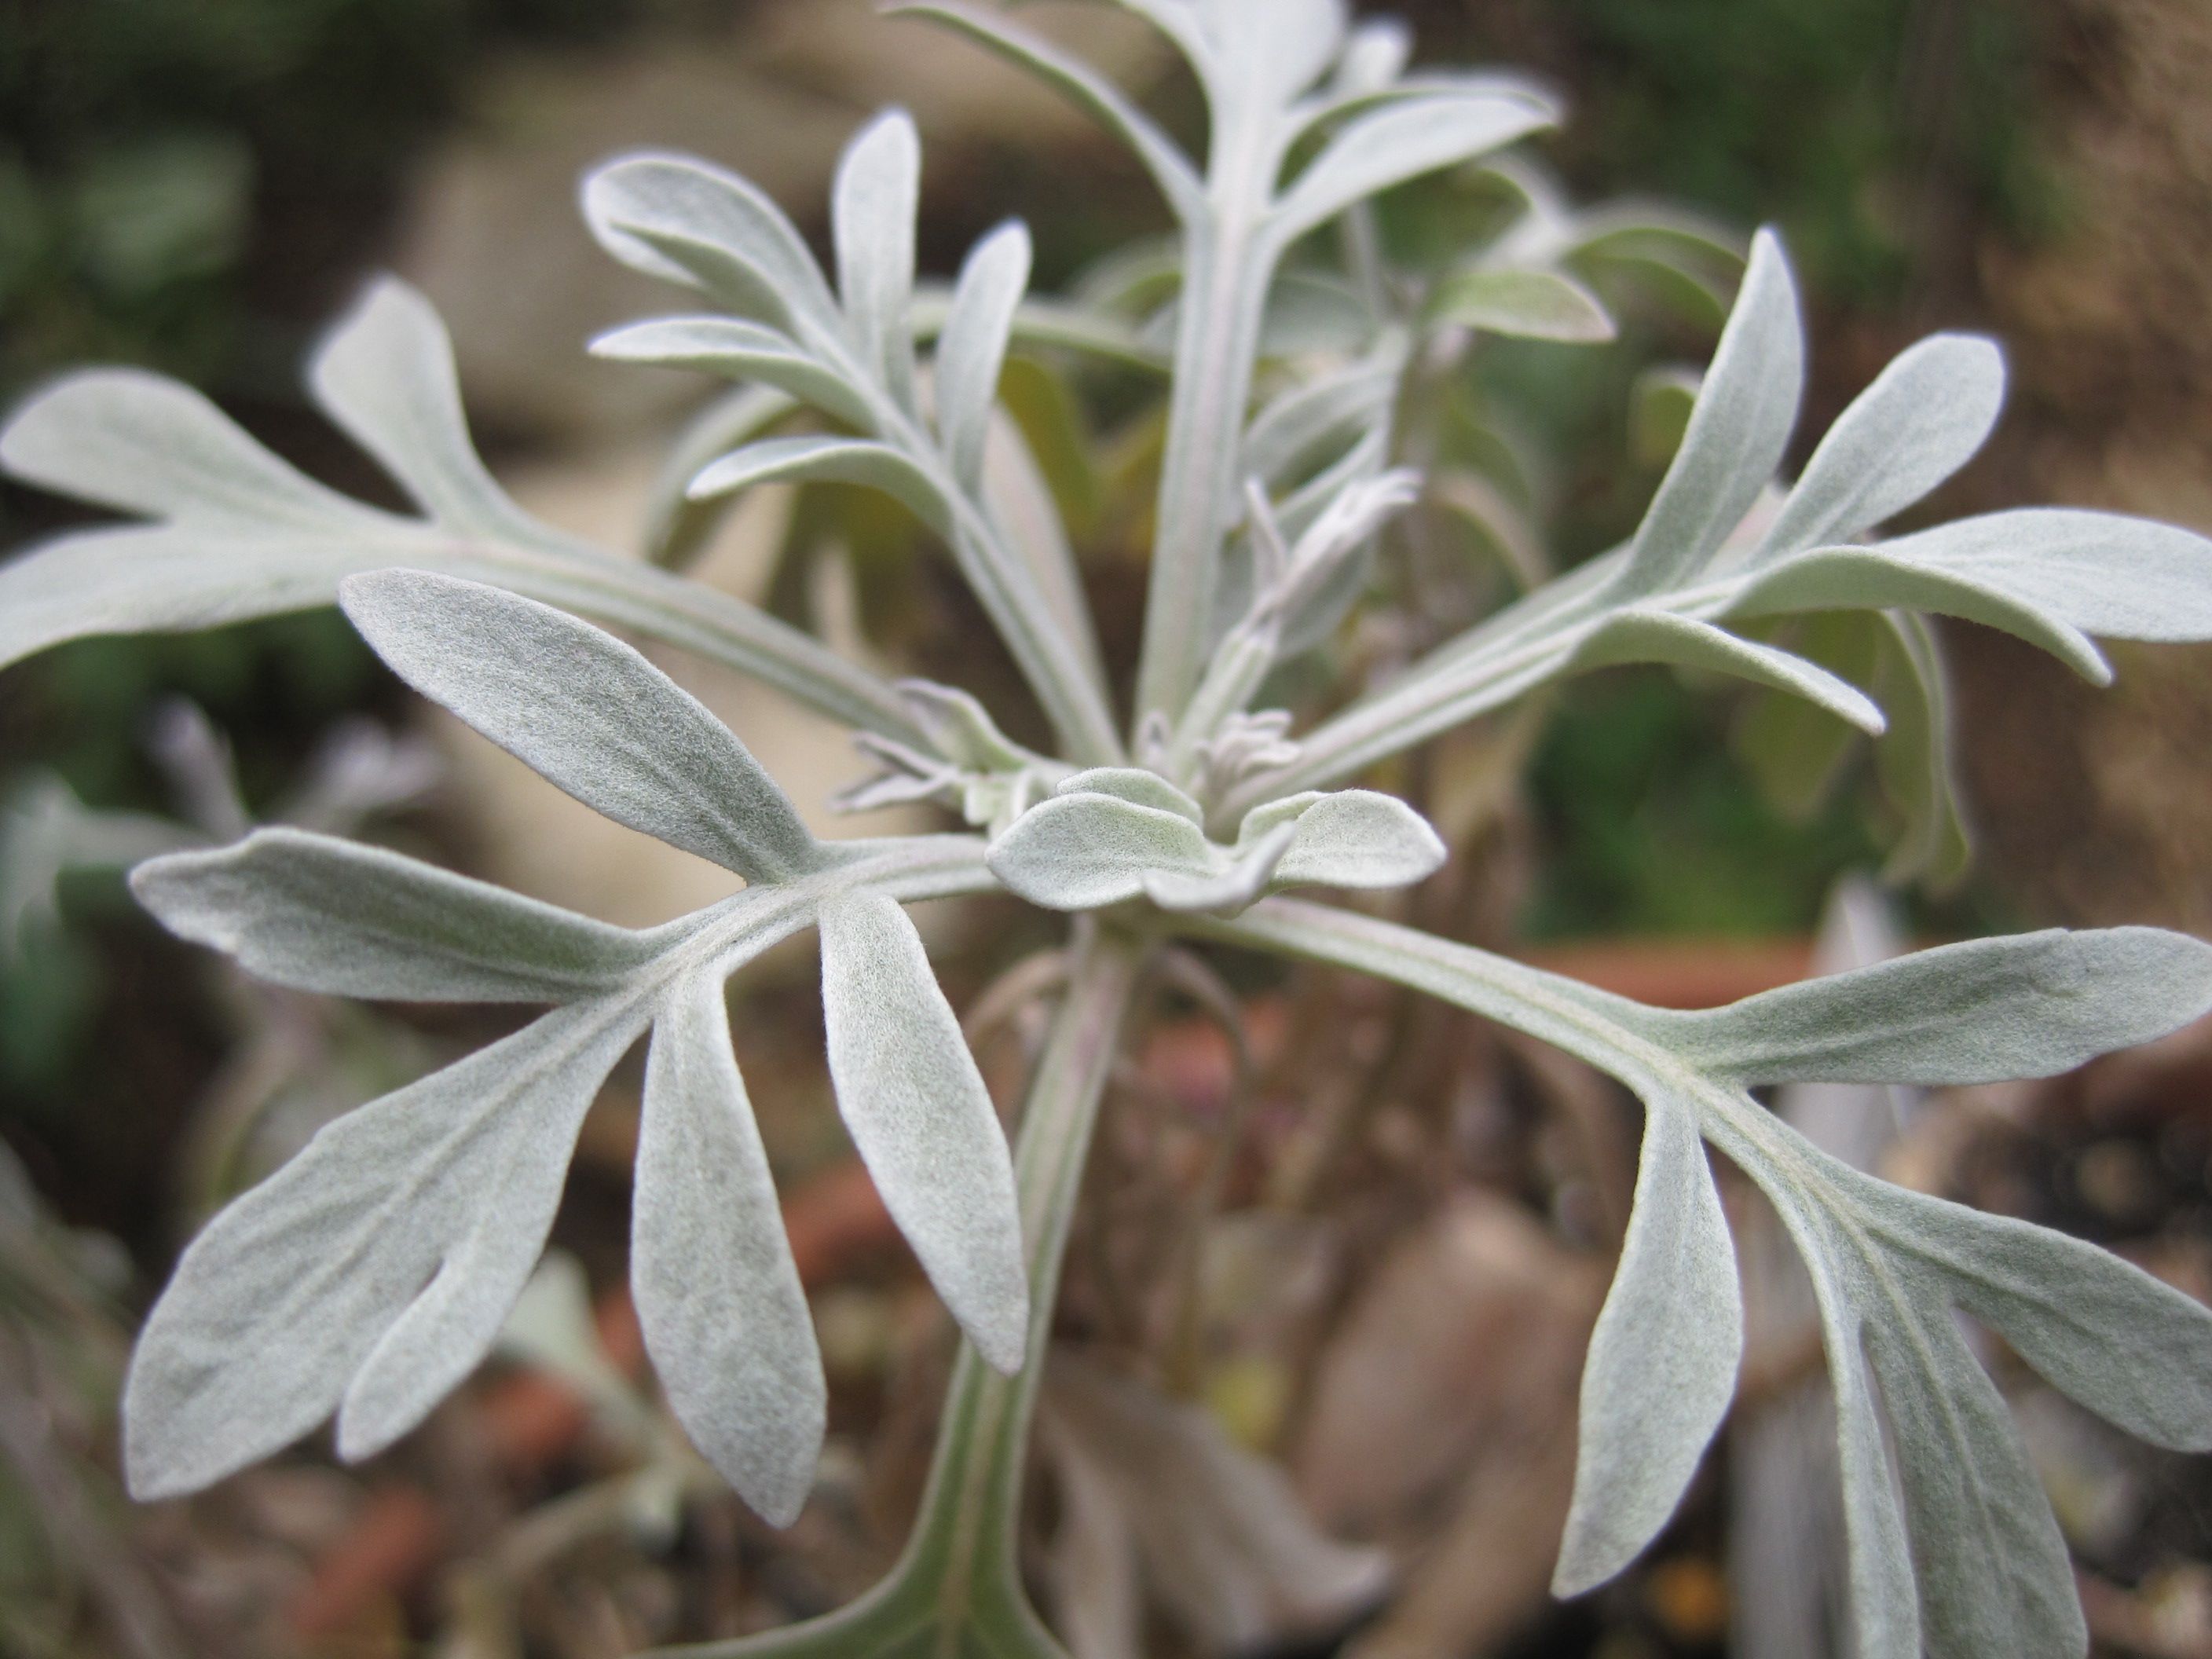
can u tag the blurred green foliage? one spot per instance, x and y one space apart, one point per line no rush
1865 128
171 171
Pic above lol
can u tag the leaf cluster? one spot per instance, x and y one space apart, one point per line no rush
370 1275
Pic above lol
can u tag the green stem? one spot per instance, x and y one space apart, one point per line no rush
957 1592
967 1531
1229 261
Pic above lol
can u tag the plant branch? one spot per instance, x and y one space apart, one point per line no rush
957 1589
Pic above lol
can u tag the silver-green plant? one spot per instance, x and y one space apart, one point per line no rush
371 1274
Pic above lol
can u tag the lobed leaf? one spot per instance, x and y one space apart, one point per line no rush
335 917
719 1298
1084 851
372 1273
385 374
588 713
1966 1554
1136 785
244 535
1115 835
922 1119
1354 838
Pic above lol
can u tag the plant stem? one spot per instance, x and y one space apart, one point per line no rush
1228 260
966 1537
956 1591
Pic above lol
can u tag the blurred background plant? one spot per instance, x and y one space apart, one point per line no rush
198 185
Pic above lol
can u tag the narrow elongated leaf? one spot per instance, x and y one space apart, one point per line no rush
1535 305
1992 1566
1973 1562
680 219
385 374
922 1121
830 460
372 1273
2113 577
972 351
1854 578
588 713
2030 1005
173 579
145 444
1884 1596
1076 80
334 917
1638 635
741 350
1081 851
1924 419
1663 1359
718 1299
872 208
246 535
1737 432
1401 141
